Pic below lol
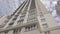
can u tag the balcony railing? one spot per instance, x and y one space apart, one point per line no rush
24 25
16 27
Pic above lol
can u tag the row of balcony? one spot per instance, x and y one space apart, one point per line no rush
27 24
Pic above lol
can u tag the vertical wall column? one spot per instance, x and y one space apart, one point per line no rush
27 11
18 18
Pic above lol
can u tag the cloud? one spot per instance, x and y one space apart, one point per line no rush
7 7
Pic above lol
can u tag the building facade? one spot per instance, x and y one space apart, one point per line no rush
31 17
3 21
58 8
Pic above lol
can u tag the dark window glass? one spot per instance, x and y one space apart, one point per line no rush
47 32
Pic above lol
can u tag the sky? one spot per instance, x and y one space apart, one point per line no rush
7 7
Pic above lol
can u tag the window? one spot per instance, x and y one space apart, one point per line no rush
16 16
11 24
29 28
45 25
14 19
20 21
15 31
47 32
24 13
41 14
32 18
19 12
43 20
32 21
22 16
26 29
6 32
32 12
33 27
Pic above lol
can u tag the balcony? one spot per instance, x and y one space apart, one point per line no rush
27 24
8 17
14 18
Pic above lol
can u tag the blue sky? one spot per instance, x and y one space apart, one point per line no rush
7 7
4 7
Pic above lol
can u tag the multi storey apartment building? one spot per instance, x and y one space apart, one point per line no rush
58 7
31 17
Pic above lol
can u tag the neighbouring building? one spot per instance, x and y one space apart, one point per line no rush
3 21
58 8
